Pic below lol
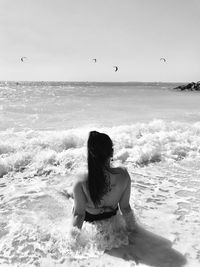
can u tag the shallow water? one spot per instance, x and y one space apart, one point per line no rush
60 106
37 169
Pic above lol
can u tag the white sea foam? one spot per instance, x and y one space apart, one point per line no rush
37 173
40 153
34 236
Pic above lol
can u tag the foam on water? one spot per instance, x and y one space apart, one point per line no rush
37 170
38 153
39 226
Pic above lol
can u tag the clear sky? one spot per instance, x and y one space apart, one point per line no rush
61 37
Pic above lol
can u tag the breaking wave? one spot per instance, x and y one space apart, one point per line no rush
36 170
37 153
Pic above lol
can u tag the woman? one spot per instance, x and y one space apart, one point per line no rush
99 192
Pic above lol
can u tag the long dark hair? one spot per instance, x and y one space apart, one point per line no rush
100 149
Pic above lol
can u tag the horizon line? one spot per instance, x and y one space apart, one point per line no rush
18 81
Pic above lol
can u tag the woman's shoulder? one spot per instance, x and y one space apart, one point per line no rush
123 173
80 178
121 169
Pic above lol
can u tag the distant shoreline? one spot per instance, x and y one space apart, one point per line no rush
90 82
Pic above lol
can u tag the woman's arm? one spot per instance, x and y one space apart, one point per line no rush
79 205
125 207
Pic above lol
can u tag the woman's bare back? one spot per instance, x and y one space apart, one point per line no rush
117 178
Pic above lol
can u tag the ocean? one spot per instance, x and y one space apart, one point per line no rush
43 133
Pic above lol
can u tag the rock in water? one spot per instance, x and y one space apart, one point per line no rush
190 86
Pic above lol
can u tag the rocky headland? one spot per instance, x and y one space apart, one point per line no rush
190 86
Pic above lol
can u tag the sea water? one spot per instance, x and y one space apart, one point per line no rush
43 135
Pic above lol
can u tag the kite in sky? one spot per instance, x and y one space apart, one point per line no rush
163 59
23 59
116 68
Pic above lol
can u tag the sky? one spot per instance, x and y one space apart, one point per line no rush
61 37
